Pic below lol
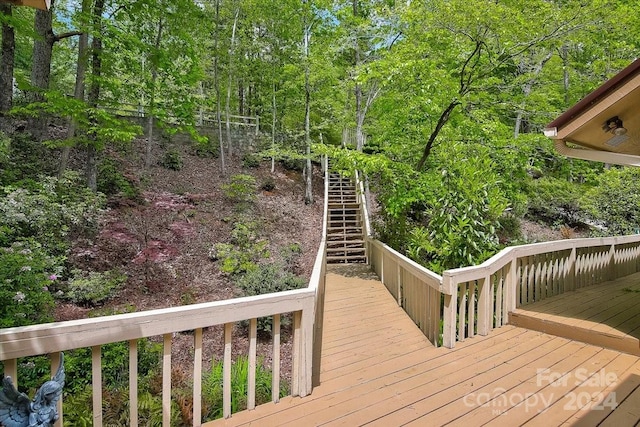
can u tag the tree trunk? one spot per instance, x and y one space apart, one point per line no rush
216 79
564 55
228 106
7 62
444 118
94 91
81 70
152 101
308 197
41 69
358 88
273 127
526 91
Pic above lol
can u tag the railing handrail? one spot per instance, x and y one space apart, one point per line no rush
507 255
72 334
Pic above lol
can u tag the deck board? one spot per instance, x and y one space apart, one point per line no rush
607 315
381 370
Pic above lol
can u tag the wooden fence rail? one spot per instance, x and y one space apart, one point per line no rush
471 301
305 305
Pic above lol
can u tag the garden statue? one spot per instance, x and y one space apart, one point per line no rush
17 410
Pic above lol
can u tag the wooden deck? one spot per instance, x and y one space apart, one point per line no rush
378 369
606 315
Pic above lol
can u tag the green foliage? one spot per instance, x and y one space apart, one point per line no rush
111 181
615 202
241 189
244 251
49 211
555 201
265 279
91 288
172 159
26 271
21 157
207 149
213 381
115 358
251 160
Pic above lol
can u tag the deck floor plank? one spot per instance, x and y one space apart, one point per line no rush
606 314
378 368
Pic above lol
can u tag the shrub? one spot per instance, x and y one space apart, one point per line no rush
49 211
93 288
240 189
26 273
207 148
293 164
111 181
265 279
555 201
615 201
251 160
172 160
244 251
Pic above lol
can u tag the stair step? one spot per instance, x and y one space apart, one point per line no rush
346 259
334 243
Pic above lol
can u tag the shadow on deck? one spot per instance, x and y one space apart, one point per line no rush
378 369
607 315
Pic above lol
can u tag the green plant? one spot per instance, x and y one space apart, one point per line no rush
207 148
27 272
111 181
265 279
241 189
172 159
615 202
244 251
555 201
251 160
93 288
212 387
49 211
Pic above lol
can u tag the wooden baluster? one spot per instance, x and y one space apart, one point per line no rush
96 383
133 383
197 377
275 380
166 381
462 307
251 377
226 371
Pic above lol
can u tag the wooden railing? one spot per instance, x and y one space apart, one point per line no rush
474 300
417 289
305 304
479 298
202 117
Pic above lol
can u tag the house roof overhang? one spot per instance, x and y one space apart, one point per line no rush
38 4
584 132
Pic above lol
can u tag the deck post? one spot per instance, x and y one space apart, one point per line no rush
484 306
450 312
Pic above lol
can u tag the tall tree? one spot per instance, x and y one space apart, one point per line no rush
8 57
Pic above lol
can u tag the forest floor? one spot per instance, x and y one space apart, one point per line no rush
162 242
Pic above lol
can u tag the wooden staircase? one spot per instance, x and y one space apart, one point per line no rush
345 235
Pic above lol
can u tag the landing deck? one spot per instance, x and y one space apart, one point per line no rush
607 315
378 369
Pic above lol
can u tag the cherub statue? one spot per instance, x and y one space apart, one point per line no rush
17 410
